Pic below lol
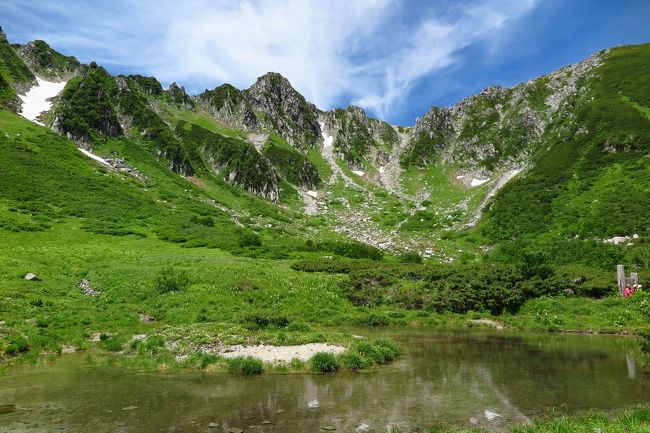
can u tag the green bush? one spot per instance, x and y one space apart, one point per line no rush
171 280
410 257
369 351
353 361
250 240
16 346
244 366
298 327
113 344
387 348
323 362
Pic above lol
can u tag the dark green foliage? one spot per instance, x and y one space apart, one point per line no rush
217 97
171 280
592 182
292 165
13 71
423 150
149 85
87 105
47 62
266 320
250 239
352 360
236 160
113 343
244 366
410 257
16 345
357 250
323 362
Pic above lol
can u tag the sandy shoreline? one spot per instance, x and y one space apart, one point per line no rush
274 354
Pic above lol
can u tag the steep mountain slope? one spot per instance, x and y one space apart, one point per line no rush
512 160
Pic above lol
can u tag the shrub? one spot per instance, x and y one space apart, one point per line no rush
323 362
244 366
298 327
369 351
154 342
387 348
206 359
17 345
410 257
263 320
353 360
171 280
357 250
113 344
250 240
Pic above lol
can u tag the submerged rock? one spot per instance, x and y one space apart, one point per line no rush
7 408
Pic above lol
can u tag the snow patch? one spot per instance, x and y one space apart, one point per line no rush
328 140
36 100
313 194
477 182
358 172
95 157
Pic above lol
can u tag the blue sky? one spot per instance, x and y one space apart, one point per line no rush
395 58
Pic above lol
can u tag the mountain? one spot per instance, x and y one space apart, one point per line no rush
164 226
558 160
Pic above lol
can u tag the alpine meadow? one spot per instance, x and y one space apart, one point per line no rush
242 260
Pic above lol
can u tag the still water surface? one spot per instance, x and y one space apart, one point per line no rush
477 378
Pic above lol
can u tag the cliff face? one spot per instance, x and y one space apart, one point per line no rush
499 126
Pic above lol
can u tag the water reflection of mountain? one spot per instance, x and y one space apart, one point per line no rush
488 379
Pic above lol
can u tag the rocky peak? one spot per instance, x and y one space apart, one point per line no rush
179 96
230 106
47 62
284 110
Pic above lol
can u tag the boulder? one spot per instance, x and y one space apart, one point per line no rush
84 285
32 277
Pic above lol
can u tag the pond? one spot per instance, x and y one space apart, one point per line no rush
464 378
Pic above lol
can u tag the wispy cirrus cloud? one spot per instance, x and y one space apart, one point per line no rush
368 52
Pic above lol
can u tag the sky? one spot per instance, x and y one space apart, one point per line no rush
394 58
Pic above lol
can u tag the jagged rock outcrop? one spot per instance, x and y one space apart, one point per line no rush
282 109
179 96
359 138
271 104
498 126
46 62
230 106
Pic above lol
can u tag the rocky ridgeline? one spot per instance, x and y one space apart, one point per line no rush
45 62
359 138
271 104
498 127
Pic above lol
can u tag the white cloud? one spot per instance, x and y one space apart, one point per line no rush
334 52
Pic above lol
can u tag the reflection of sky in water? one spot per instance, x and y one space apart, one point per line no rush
470 379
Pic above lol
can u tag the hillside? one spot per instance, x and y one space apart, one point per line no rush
509 196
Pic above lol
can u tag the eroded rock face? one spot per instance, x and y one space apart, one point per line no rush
284 110
498 126
358 137
46 62
179 96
